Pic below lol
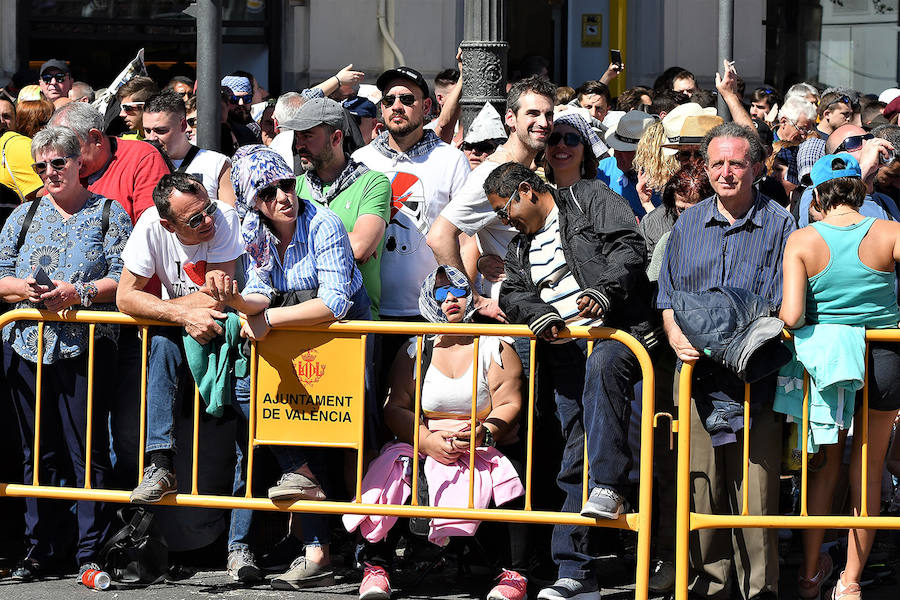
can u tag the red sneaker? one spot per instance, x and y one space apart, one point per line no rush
376 585
511 586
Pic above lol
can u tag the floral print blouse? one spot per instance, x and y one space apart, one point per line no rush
69 250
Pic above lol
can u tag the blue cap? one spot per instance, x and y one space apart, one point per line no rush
361 107
832 166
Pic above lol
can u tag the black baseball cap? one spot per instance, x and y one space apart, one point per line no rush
55 63
403 73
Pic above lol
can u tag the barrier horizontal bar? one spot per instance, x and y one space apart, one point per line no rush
629 521
706 521
343 445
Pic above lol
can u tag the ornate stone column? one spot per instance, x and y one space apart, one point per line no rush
483 58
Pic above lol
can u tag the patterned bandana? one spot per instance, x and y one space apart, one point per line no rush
253 168
237 85
430 308
428 143
352 171
588 135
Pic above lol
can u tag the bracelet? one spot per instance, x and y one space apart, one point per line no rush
266 317
336 78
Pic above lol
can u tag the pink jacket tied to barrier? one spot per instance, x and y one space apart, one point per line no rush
389 481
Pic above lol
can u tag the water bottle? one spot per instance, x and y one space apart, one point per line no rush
96 579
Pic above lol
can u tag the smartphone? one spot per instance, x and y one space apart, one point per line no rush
615 57
42 278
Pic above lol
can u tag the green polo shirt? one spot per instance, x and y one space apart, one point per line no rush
368 195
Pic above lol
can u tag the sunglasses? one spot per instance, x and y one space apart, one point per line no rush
197 220
503 213
479 147
132 107
270 192
239 100
57 164
51 77
686 155
441 293
405 100
853 143
569 139
192 121
843 99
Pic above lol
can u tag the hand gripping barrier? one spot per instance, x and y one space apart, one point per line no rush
356 331
688 521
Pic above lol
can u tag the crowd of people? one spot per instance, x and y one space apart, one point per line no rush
651 213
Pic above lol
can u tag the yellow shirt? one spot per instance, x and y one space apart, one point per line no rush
16 172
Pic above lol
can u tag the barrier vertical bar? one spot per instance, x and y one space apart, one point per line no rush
251 420
142 435
745 491
864 470
38 384
682 479
362 420
585 465
195 450
89 429
529 450
804 465
645 499
472 422
417 410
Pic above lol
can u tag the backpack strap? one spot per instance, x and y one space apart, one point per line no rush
188 159
427 352
104 226
26 224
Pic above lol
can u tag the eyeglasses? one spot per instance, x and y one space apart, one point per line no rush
57 164
441 293
503 213
132 107
51 77
569 139
197 220
192 121
270 192
239 100
405 100
686 155
479 147
853 143
802 130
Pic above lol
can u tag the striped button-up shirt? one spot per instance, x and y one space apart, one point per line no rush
318 257
706 251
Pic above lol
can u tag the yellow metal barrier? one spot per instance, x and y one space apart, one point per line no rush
688 521
638 522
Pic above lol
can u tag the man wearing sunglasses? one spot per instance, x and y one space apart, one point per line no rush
869 151
132 97
56 79
529 116
182 240
835 110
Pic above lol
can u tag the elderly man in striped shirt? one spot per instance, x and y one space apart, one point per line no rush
736 239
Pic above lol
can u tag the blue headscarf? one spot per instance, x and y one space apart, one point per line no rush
430 308
588 135
253 168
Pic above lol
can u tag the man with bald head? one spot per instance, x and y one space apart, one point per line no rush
868 151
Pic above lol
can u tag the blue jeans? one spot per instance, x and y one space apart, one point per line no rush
165 367
290 458
593 394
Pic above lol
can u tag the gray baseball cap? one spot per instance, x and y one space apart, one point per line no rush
318 111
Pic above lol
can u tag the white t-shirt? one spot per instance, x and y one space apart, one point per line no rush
472 214
151 250
421 187
207 165
283 144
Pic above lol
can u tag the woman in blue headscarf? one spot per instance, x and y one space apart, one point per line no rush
444 430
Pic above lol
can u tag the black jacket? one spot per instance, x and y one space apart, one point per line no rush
606 254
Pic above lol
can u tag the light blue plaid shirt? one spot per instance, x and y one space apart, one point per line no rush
318 257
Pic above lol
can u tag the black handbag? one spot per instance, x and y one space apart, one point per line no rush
137 553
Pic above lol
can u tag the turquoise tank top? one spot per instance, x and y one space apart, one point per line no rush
847 291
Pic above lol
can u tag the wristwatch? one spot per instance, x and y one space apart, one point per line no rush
488 441
86 291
